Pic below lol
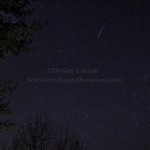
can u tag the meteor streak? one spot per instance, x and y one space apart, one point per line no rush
101 30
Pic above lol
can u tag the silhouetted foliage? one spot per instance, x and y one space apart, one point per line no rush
6 88
15 37
15 33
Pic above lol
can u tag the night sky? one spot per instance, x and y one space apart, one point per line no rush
110 37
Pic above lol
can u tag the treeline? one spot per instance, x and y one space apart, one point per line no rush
42 134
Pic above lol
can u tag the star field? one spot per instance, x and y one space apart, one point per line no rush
108 116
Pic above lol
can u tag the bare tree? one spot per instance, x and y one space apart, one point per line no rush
44 135
34 136
68 141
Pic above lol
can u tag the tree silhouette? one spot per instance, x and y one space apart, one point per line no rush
15 33
67 141
6 88
15 37
43 135
37 135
